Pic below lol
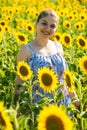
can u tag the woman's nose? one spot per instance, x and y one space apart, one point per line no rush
48 28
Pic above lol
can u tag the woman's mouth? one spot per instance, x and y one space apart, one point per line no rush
46 33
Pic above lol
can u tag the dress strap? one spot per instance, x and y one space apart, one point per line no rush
31 49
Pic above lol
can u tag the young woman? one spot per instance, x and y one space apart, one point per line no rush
44 52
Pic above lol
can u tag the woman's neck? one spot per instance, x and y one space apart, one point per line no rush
41 42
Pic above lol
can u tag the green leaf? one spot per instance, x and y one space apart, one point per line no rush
84 114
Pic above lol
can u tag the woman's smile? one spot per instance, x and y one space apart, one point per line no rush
45 32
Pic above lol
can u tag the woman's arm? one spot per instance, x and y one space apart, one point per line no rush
23 55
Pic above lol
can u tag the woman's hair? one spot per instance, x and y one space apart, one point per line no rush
45 13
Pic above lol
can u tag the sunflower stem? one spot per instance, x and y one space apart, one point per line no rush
4 44
81 106
31 104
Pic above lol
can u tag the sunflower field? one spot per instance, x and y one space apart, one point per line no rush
17 20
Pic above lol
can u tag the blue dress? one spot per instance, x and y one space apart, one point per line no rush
58 63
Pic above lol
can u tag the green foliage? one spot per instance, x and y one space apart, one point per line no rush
20 106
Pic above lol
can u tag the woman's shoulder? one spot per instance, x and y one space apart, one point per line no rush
24 53
25 48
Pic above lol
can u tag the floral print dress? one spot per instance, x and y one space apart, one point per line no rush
56 62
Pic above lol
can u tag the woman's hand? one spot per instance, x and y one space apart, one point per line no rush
76 103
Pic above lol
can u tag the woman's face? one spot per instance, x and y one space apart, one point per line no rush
46 26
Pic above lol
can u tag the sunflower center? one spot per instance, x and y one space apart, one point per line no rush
29 28
67 39
74 12
9 18
68 81
23 71
10 12
2 121
57 37
82 17
0 29
6 29
85 64
54 123
21 37
46 79
77 26
70 17
61 12
81 42
67 25
2 23
16 10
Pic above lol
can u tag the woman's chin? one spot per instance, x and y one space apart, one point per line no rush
45 36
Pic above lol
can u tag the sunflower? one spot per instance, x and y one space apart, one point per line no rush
66 40
24 70
7 29
58 8
70 16
61 13
28 11
83 64
82 42
34 12
1 29
77 26
48 79
5 123
8 18
75 12
29 27
3 23
67 24
82 24
52 117
4 16
18 21
16 9
83 16
57 36
21 38
10 11
68 79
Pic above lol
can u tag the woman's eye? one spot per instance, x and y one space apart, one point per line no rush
53 26
44 23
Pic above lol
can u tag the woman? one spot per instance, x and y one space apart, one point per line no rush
44 52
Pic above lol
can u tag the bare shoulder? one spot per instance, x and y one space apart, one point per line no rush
24 53
25 48
59 47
